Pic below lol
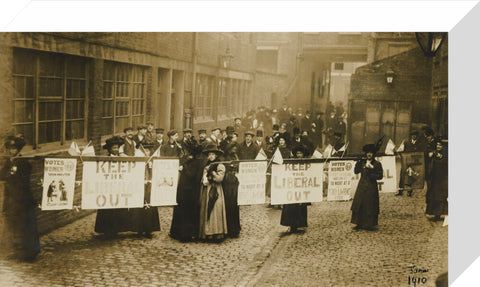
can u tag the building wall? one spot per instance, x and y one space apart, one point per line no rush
405 104
440 90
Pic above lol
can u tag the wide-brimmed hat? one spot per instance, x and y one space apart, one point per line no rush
370 148
115 140
299 147
250 133
212 148
15 142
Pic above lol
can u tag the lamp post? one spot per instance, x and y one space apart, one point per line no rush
430 42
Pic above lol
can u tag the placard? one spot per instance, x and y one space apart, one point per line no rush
164 182
58 183
113 184
252 178
297 183
389 181
341 176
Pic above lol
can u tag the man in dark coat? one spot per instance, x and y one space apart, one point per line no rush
159 141
306 122
365 206
437 192
140 138
188 143
228 139
172 148
339 145
129 144
248 149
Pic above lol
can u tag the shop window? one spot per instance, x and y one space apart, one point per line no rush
204 97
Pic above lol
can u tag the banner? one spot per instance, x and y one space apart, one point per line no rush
341 177
113 184
297 183
164 182
58 183
413 169
389 181
252 178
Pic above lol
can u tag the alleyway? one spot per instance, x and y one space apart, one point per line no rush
329 253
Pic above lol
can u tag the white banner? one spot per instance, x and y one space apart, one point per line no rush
389 181
165 182
113 184
252 178
297 183
58 183
341 176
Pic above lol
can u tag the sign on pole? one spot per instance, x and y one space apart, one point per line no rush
113 184
164 182
58 183
297 183
340 179
252 178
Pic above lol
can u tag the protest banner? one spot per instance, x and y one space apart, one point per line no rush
164 182
113 184
340 179
297 183
389 181
252 178
413 169
58 183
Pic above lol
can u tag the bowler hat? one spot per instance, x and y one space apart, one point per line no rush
212 148
15 142
259 133
159 130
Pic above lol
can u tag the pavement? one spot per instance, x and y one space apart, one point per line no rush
328 253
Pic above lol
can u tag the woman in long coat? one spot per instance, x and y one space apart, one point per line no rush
230 189
21 233
185 217
112 221
437 192
295 215
213 218
145 220
365 206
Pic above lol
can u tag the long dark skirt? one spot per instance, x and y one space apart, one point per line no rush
144 220
185 220
21 235
230 190
364 218
294 215
111 221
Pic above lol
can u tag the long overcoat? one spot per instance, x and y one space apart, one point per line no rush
437 192
21 235
365 206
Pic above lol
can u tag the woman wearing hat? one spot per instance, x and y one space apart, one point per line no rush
365 206
213 219
295 215
437 190
230 190
21 235
112 221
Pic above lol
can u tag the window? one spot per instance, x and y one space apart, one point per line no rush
50 96
124 88
223 97
204 97
267 60
338 66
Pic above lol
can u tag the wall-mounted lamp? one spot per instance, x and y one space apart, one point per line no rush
430 42
390 76
226 58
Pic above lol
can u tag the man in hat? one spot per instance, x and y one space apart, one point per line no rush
260 141
188 143
158 139
248 149
202 136
215 136
128 148
228 139
172 148
150 134
413 143
306 121
365 206
140 138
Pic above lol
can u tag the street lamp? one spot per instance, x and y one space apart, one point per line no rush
226 58
430 42
389 76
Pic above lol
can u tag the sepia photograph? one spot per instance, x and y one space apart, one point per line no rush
224 159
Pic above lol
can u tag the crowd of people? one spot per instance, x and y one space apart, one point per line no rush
207 190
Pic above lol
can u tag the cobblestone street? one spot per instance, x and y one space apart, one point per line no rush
329 253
